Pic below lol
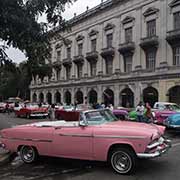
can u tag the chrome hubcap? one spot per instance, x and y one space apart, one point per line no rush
28 153
121 162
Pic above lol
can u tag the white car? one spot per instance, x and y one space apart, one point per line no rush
166 106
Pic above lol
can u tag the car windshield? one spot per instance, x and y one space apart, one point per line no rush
100 117
173 107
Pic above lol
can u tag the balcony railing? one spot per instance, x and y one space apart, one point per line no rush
92 56
78 59
149 42
67 62
173 37
108 52
127 47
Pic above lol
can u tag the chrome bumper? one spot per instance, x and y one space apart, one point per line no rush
161 148
38 115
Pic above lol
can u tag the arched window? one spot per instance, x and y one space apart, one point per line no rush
41 97
127 98
34 97
57 97
67 97
108 97
150 95
92 97
49 98
79 97
174 94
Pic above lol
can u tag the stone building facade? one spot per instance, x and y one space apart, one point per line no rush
119 52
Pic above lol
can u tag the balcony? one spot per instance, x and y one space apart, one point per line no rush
108 52
92 56
127 48
173 37
149 42
57 65
67 62
78 59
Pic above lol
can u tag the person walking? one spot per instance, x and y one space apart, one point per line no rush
148 113
140 112
7 108
51 112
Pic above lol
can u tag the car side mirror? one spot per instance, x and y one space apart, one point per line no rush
83 123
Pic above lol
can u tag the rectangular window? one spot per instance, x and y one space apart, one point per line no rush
127 64
151 59
80 49
68 52
93 68
93 45
68 72
79 70
176 56
177 20
58 55
151 28
109 67
109 40
128 34
58 74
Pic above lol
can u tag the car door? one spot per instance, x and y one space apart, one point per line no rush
73 142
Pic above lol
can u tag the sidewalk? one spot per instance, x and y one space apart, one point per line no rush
4 156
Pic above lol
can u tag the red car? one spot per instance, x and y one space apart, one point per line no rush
31 110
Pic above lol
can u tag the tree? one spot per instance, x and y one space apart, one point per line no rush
20 28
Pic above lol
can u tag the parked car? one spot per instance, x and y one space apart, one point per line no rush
173 121
31 110
62 114
2 107
121 114
166 106
162 115
95 135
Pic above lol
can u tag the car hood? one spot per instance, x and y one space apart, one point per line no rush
136 127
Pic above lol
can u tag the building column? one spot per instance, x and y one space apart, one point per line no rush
52 94
137 33
99 94
138 93
116 95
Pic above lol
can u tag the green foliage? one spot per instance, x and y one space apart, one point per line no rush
19 28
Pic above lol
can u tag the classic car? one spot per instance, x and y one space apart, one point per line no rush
121 114
95 135
2 107
162 115
133 115
31 110
173 121
62 114
166 106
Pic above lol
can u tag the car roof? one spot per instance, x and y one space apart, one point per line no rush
166 103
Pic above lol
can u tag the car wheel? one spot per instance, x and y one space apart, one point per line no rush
123 160
28 154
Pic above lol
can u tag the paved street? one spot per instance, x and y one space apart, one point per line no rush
166 167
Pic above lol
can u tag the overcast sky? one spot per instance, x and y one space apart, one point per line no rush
78 7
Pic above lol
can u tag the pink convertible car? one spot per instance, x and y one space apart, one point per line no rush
96 135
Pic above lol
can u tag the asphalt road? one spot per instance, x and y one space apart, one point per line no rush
165 167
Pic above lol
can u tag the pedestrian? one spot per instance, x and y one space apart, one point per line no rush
140 112
52 112
7 108
148 114
110 106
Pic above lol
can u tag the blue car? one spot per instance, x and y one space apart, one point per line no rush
173 121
